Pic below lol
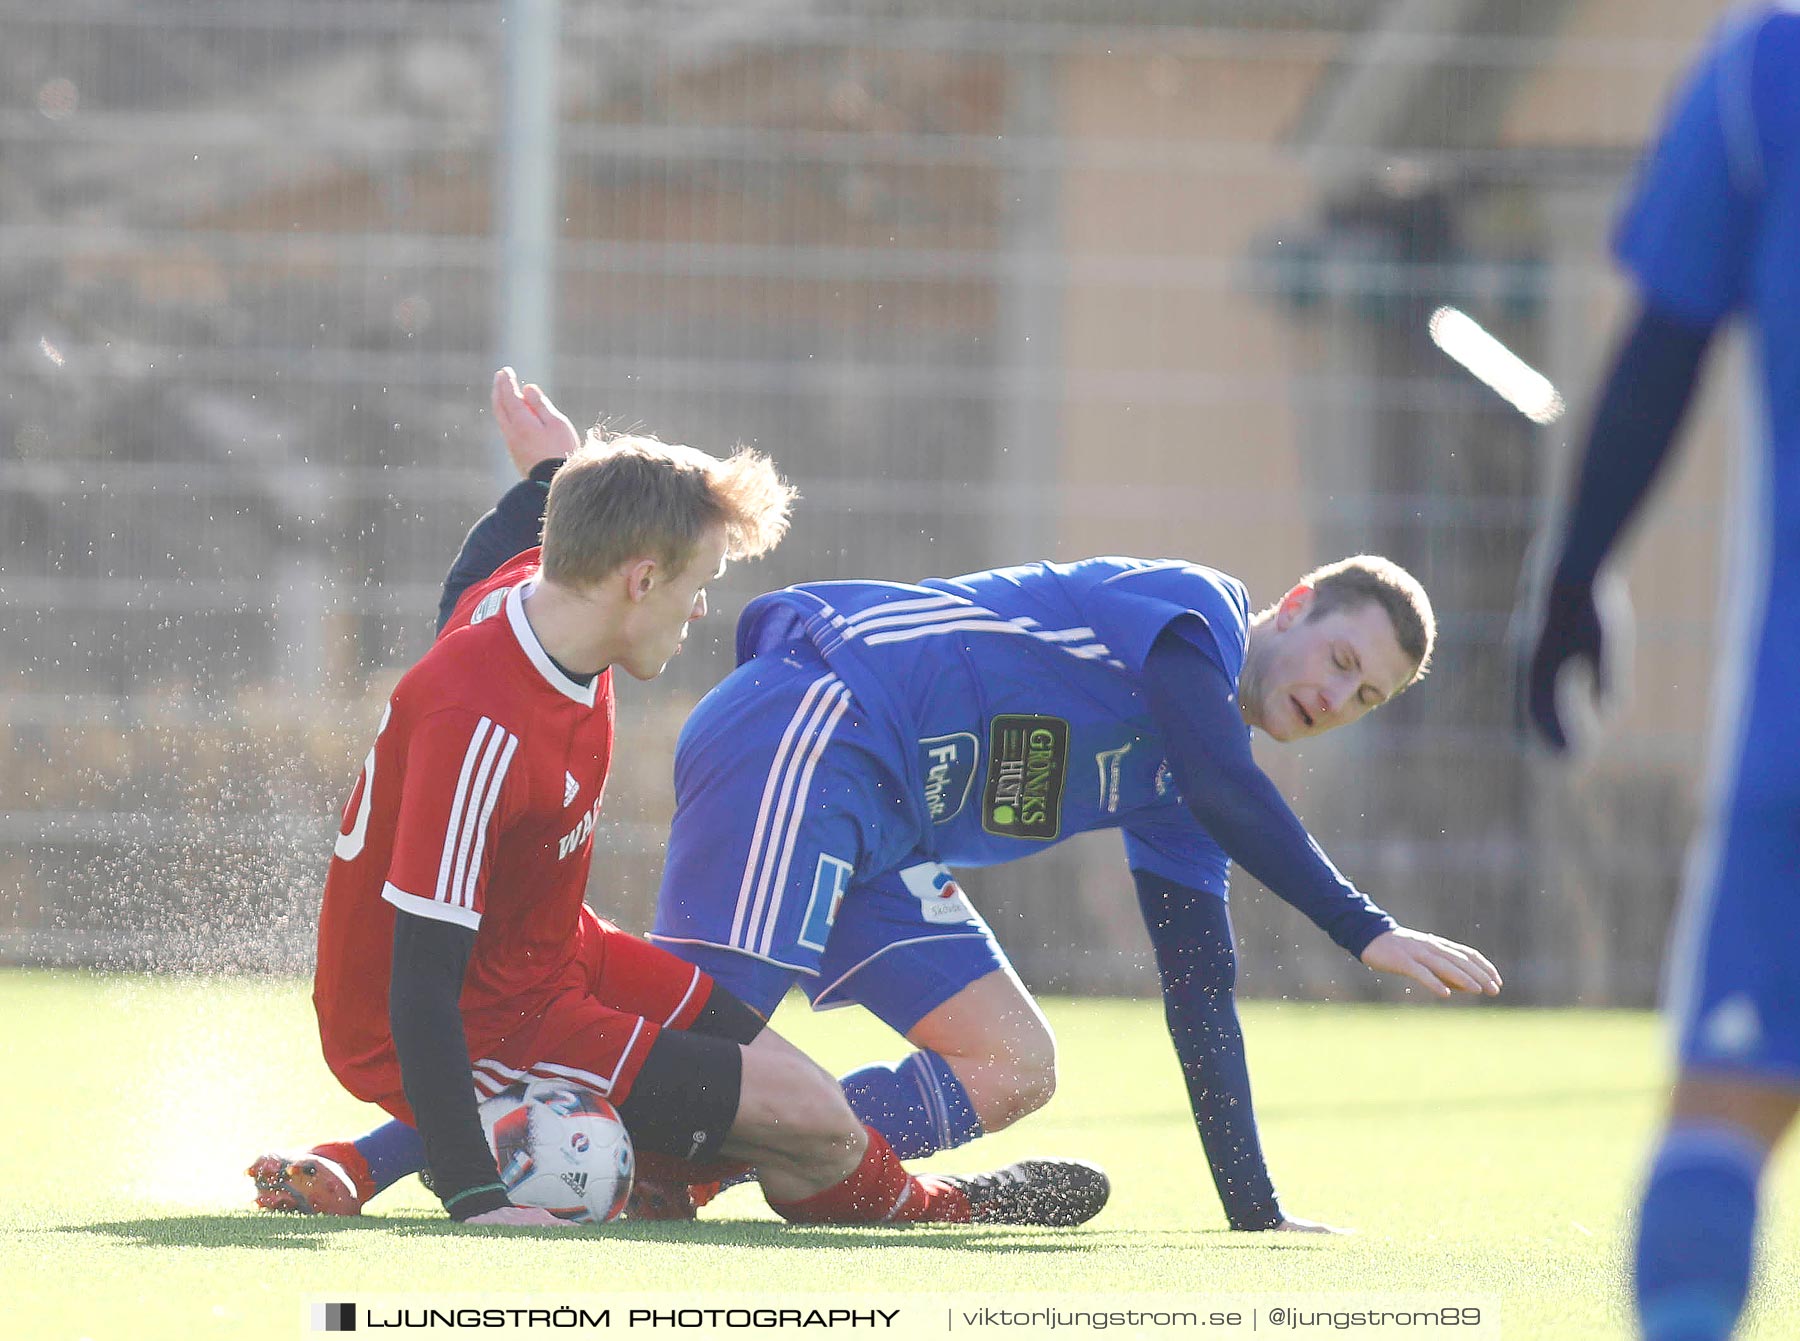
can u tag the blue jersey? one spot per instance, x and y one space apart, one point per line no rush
874 734
1712 230
1013 699
1712 227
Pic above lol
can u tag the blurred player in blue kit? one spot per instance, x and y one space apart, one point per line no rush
875 733
1712 230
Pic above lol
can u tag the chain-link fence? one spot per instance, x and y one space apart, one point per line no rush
990 281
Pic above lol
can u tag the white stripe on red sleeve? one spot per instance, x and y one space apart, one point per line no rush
466 896
457 804
435 909
476 796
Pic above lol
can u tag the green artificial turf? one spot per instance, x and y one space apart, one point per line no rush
1478 1151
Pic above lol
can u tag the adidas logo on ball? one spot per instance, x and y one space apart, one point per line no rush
559 1146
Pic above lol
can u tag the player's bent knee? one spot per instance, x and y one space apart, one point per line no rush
1007 1086
998 1043
1031 1083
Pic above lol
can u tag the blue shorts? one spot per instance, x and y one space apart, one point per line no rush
795 855
1734 970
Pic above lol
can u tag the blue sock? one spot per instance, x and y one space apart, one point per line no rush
1695 1233
393 1151
917 1103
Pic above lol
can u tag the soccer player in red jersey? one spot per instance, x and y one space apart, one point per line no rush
456 954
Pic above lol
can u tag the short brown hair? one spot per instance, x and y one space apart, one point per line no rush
622 496
1365 578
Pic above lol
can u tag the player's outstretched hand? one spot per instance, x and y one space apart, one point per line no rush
534 429
1440 966
1579 620
1293 1226
528 1217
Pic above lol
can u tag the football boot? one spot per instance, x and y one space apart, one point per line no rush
316 1183
1033 1192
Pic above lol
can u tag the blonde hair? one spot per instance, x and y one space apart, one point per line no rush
623 496
1364 579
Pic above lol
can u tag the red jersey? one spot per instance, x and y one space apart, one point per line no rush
476 805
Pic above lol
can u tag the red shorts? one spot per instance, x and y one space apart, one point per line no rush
597 1030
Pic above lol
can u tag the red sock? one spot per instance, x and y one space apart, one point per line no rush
347 1157
879 1191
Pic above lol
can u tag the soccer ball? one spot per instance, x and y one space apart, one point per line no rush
560 1146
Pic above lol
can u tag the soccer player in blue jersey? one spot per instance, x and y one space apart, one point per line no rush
875 734
1712 230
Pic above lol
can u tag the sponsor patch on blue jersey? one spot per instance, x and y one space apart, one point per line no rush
1028 762
1112 767
1007 705
948 764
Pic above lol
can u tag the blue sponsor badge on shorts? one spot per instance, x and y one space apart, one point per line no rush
831 877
